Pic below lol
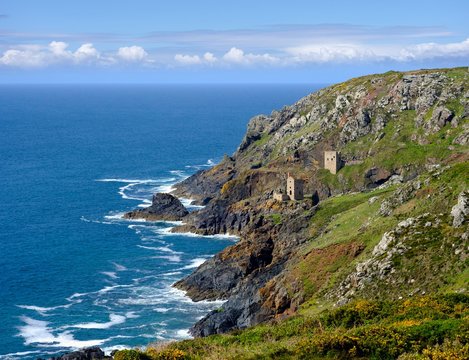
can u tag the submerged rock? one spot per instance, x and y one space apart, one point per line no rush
163 207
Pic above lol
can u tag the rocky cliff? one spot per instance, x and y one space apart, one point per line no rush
163 207
399 136
399 198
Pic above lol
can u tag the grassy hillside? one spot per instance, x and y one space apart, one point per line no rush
428 327
379 269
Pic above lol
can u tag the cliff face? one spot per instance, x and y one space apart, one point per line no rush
403 138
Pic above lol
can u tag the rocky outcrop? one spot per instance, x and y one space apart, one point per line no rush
440 117
91 353
460 211
164 207
373 122
375 177
400 196
240 271
205 185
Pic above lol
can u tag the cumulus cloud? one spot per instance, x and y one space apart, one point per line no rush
318 52
187 59
234 56
338 53
57 52
237 56
132 53
210 58
322 53
434 50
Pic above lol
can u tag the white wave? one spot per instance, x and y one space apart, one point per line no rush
146 203
209 163
171 258
21 354
110 349
187 202
122 193
114 319
43 310
129 181
183 334
119 267
104 290
179 173
38 332
160 248
161 310
165 189
173 273
116 216
111 274
131 315
168 232
195 263
180 295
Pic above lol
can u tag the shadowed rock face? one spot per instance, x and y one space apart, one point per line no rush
91 353
163 207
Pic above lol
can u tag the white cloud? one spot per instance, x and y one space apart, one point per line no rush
433 50
132 53
210 58
237 56
57 52
234 56
322 53
339 53
86 53
187 59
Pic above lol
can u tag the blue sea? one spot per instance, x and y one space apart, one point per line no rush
73 158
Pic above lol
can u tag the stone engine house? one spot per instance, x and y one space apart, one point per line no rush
332 161
294 188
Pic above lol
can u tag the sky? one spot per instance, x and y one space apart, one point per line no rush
205 41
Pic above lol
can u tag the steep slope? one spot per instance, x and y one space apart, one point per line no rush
381 220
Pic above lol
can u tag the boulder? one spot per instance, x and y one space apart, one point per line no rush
440 117
164 207
460 211
91 353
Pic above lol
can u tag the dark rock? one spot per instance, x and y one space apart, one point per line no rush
91 353
375 177
163 207
206 183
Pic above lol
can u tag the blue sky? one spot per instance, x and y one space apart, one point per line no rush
186 41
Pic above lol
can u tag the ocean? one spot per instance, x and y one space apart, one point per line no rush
73 158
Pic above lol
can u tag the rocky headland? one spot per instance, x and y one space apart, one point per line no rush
372 260
164 207
393 131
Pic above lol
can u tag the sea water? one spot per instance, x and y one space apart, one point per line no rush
73 159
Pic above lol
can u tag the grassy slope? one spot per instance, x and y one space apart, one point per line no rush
343 232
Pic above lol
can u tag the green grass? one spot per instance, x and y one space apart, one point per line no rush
276 218
360 330
330 208
263 140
